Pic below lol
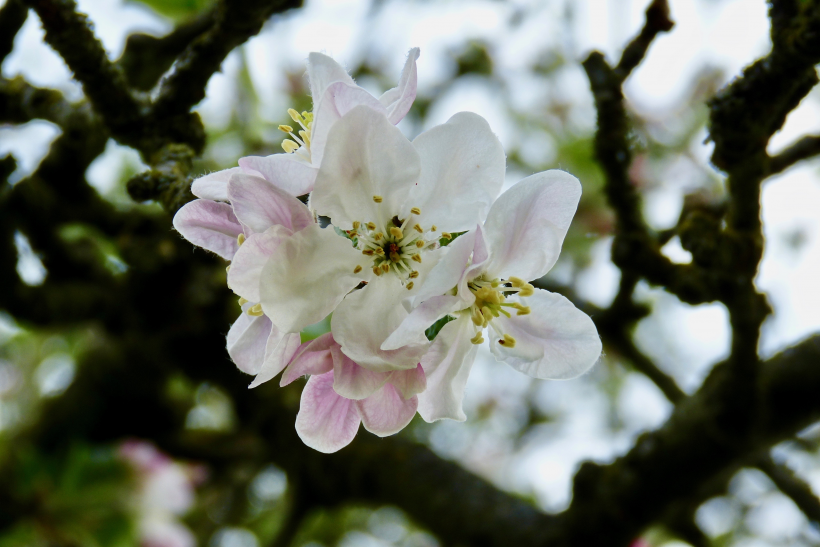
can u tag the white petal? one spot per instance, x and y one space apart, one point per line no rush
421 318
210 225
246 268
307 276
556 341
214 185
365 319
312 358
352 381
462 170
326 421
398 100
527 224
289 172
279 351
408 382
246 341
323 71
366 156
386 412
339 99
450 268
447 366
259 205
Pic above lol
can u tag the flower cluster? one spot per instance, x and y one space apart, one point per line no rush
419 235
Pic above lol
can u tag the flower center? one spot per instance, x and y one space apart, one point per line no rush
491 302
298 143
394 247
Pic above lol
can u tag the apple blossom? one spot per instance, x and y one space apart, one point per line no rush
480 283
340 395
394 199
334 94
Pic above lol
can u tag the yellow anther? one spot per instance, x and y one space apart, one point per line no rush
495 283
356 224
415 211
377 199
396 232
446 235
477 339
256 310
433 228
385 267
377 270
368 252
379 251
410 286
285 129
357 269
307 116
305 137
419 243
418 229
228 268
477 318
289 146
508 341
416 257
240 239
414 274
487 294
371 226
377 236
294 115
526 290
523 310
487 313
517 282
243 301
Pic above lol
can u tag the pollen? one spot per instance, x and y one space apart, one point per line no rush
508 341
415 211
418 229
419 243
240 239
526 290
368 252
377 270
517 282
356 224
294 115
522 310
378 199
379 251
410 286
285 129
446 235
371 226
433 228
477 339
414 274
385 267
256 310
396 232
357 269
416 257
378 236
289 146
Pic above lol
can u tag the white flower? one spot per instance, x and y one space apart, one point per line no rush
395 199
334 94
480 282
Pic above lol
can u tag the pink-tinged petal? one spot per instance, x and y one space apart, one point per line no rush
556 341
449 270
414 325
462 162
447 366
527 224
408 382
279 351
478 264
352 381
259 205
398 100
326 421
246 267
312 357
365 319
386 412
366 156
214 185
339 99
307 276
322 71
210 225
288 172
246 341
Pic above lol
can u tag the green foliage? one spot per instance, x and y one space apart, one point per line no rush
436 327
177 9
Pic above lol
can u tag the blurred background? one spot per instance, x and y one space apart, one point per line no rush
517 64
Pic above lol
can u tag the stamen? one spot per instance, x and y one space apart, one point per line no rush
295 115
368 252
305 137
396 232
517 282
433 228
357 269
377 236
410 286
377 270
522 310
477 339
418 229
243 301
379 251
377 199
256 310
508 341
446 235
419 243
526 290
289 146
240 239
356 224
371 226
415 211
385 267
477 318
416 257
414 274
285 129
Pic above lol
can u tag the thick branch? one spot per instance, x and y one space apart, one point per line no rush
805 148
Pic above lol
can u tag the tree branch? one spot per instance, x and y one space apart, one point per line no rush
12 17
805 148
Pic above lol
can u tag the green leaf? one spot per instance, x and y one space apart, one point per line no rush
434 329
176 9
